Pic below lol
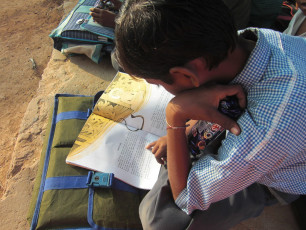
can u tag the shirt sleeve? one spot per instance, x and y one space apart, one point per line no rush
264 145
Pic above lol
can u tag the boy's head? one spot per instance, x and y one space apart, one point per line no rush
154 36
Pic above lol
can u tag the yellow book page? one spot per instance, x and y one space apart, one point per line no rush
94 127
124 96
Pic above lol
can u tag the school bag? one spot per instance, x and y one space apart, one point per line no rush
79 34
69 197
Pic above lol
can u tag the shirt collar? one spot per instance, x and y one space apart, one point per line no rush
257 62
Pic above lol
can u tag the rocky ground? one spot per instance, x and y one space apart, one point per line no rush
25 52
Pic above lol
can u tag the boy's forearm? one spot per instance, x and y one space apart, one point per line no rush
178 159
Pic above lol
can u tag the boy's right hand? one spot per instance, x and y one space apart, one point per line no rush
159 149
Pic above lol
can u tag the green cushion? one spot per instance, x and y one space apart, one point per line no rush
60 209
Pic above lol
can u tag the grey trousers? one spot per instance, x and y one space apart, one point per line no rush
158 210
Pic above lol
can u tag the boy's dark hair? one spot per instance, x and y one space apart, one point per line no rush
153 36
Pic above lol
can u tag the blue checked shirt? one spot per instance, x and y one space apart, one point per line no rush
271 147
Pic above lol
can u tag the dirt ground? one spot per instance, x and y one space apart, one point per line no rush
25 51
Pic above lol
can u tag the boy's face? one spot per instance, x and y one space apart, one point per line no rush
302 5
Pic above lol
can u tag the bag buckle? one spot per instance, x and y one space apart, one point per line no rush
98 179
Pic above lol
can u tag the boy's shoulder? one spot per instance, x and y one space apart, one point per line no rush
275 41
270 56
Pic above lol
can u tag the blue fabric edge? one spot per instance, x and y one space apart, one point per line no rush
71 115
47 157
71 182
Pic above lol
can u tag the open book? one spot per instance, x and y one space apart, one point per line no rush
129 115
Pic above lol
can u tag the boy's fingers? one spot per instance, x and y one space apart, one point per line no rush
93 14
96 10
241 96
160 156
159 160
227 123
237 90
150 145
156 150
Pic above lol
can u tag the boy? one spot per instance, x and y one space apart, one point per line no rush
192 49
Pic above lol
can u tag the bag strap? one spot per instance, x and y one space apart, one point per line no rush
72 115
75 182
81 182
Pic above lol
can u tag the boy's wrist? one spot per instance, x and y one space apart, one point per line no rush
173 116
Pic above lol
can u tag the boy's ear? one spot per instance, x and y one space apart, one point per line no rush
186 74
